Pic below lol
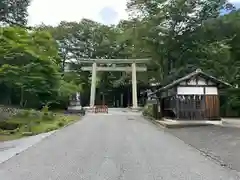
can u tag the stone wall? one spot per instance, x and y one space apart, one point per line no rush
7 112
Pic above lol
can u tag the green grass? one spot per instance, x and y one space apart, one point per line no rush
10 137
28 126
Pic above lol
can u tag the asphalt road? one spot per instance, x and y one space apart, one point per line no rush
112 147
220 143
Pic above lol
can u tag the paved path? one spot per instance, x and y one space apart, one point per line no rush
8 149
220 143
112 147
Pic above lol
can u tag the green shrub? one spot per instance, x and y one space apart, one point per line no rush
51 129
148 110
35 114
45 109
23 113
61 124
4 132
9 125
48 116
12 131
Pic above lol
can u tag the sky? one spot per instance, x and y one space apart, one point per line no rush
52 12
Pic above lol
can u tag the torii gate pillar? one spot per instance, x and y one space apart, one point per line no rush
93 85
134 87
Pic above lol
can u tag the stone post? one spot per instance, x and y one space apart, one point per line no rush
121 99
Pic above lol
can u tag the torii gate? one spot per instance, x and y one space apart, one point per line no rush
94 68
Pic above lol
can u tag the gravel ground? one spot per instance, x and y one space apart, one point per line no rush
115 147
220 143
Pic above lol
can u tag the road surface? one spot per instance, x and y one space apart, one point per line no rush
222 143
119 146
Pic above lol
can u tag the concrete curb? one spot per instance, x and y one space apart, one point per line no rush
153 121
171 125
15 147
174 124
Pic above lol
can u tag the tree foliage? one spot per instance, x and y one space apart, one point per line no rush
13 12
178 36
29 66
185 35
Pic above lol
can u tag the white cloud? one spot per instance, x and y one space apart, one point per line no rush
54 11
234 1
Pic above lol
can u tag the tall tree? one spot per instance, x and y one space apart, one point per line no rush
28 66
171 30
14 12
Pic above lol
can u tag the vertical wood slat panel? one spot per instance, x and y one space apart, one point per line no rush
212 107
217 107
191 107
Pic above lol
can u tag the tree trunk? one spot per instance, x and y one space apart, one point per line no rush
22 97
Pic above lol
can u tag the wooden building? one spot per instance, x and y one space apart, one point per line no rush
193 97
